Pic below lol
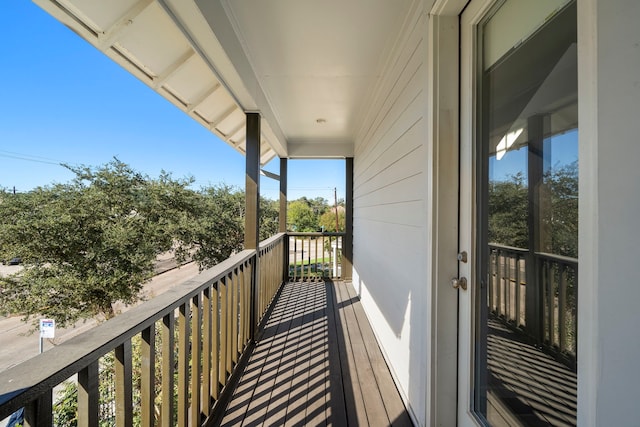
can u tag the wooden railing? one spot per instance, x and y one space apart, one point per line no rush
315 256
546 309
507 284
171 357
559 288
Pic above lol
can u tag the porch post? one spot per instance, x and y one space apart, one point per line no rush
252 186
283 196
347 244
252 203
283 219
538 235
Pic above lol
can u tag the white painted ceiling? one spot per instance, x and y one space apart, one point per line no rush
308 66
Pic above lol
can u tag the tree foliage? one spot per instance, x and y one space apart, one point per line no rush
508 211
269 218
301 217
94 241
562 215
88 243
327 220
212 228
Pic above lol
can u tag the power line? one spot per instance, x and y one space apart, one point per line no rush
29 157
29 160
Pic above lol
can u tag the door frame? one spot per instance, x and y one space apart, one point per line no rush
451 123
442 166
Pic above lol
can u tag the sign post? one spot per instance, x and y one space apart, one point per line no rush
47 330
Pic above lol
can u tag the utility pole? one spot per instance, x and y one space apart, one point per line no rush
335 198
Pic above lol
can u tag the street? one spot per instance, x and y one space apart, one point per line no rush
17 345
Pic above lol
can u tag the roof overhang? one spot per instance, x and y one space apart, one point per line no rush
310 68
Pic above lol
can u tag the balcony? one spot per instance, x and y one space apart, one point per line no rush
532 336
238 344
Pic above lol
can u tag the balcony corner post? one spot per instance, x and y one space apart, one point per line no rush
534 310
252 203
283 196
347 251
283 218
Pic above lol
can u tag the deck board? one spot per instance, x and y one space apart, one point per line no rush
374 408
357 414
395 409
337 392
317 363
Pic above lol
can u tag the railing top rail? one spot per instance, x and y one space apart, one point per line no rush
508 248
544 255
26 381
558 258
315 234
271 240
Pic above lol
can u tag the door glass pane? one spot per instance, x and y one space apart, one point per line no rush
528 221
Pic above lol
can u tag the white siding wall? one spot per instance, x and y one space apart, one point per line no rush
609 297
390 215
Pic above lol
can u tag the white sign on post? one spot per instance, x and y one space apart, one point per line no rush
47 328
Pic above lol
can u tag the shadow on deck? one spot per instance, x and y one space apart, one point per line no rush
528 386
316 363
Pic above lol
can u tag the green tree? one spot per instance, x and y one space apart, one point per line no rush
508 212
269 218
300 217
211 227
328 220
88 243
562 215
319 205
94 241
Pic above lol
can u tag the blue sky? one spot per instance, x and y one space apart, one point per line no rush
562 150
65 102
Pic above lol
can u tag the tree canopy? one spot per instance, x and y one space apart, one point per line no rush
301 217
327 220
94 241
310 215
509 204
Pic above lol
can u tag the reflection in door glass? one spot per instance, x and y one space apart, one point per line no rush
528 219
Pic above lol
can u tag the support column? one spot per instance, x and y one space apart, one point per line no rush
252 204
534 309
283 196
252 183
347 244
283 218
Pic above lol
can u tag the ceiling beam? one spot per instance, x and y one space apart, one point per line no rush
235 69
229 111
107 38
320 149
172 69
198 101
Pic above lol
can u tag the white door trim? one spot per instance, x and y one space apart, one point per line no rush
451 84
443 124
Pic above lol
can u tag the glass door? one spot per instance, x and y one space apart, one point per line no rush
519 213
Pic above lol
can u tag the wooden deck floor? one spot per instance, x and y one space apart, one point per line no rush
317 363
528 387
